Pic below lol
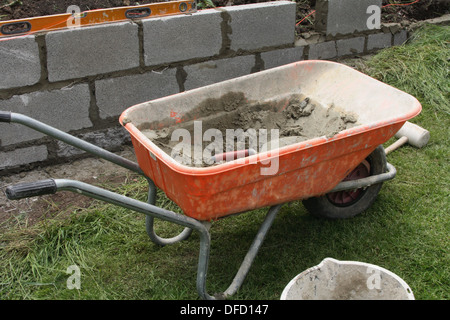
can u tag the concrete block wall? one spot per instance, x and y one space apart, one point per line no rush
80 80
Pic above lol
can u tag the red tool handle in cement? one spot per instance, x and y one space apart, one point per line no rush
233 155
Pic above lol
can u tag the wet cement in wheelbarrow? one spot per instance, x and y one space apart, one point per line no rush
296 118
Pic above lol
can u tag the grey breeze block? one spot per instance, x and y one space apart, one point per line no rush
89 51
22 156
182 37
335 17
256 26
65 109
114 95
19 62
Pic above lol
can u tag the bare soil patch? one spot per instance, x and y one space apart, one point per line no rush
28 212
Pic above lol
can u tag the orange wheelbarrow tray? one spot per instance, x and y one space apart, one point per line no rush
336 176
304 169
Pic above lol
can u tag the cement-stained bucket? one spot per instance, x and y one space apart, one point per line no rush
347 280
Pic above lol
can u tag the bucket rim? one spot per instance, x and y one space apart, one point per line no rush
409 292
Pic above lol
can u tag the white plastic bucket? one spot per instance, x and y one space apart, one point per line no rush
346 280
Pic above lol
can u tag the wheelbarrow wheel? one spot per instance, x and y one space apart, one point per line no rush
349 203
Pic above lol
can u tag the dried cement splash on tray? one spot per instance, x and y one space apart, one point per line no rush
297 118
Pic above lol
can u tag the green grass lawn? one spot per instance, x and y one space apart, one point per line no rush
405 231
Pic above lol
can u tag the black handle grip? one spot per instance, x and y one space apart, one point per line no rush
31 189
5 116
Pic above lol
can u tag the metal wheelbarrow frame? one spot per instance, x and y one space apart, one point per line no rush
51 186
295 72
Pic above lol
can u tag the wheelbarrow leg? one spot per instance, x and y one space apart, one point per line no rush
245 265
150 221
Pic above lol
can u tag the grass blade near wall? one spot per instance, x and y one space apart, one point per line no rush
421 67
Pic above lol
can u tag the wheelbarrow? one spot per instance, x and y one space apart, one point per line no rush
336 176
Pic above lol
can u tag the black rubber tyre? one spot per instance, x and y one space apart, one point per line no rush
342 206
